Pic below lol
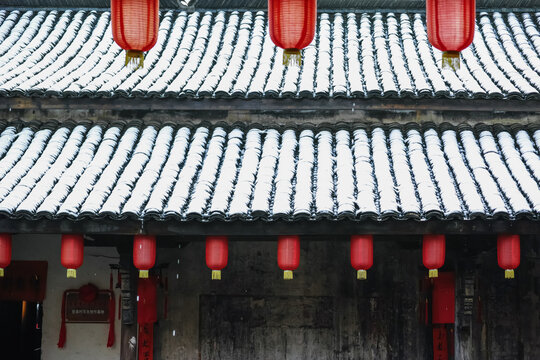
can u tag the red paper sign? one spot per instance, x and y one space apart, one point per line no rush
443 305
24 280
440 343
146 341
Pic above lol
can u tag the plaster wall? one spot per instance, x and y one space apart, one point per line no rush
84 341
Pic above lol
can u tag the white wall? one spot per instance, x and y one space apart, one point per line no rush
83 341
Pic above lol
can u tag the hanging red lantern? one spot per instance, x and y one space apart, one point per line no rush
288 254
217 253
5 252
291 25
433 252
135 26
508 253
450 28
361 254
72 253
144 253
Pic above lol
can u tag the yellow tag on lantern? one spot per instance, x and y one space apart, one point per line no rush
135 58
288 275
292 57
216 274
450 60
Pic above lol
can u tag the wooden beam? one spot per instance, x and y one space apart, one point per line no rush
268 104
259 228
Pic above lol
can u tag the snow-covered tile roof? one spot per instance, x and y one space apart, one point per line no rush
170 171
228 54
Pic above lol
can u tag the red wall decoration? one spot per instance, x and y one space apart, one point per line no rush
87 304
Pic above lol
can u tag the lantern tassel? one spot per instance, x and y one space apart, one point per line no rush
433 273
135 58
1 272
450 60
71 273
361 274
508 274
143 274
292 57
216 274
288 275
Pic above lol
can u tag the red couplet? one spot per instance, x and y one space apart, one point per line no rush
433 253
444 299
361 254
144 253
217 254
292 25
450 27
72 253
147 300
135 26
288 254
5 252
508 253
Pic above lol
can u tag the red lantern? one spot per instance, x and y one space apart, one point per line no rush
450 28
508 254
144 253
135 26
361 254
433 252
288 255
217 253
5 252
72 253
291 25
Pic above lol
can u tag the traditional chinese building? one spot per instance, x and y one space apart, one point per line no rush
214 137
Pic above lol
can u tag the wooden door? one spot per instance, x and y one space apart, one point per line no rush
245 327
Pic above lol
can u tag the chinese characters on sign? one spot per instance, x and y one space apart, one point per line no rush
146 341
78 311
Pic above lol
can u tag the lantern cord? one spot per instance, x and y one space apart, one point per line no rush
508 274
71 273
288 275
292 57
1 272
450 60
143 274
216 274
361 275
433 273
135 58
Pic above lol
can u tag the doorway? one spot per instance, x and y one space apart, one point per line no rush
20 333
22 291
